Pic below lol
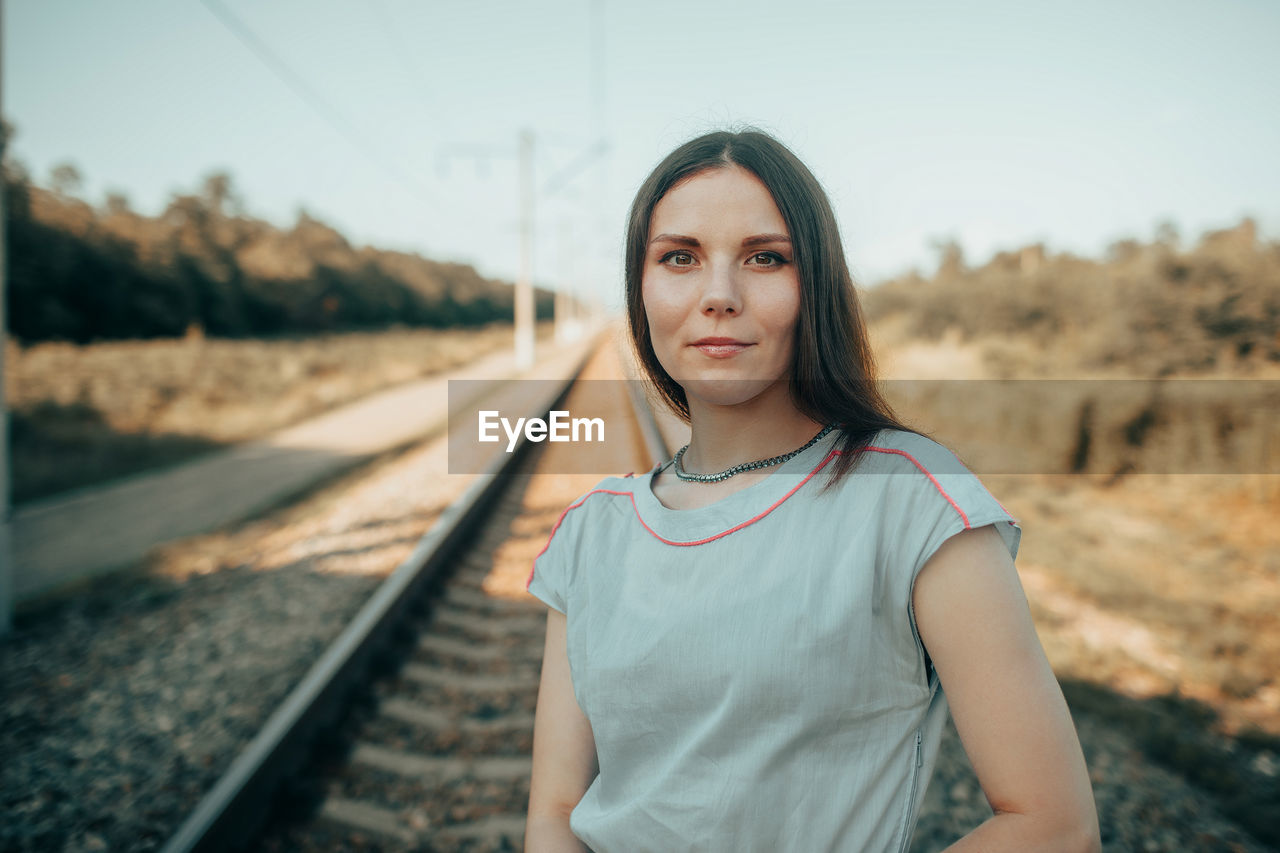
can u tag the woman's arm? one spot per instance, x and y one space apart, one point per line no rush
974 620
564 750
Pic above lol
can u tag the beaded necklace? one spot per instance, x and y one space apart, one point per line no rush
745 466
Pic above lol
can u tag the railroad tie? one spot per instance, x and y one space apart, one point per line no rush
472 579
390 823
441 645
367 817
415 714
465 596
491 626
435 767
488 828
434 677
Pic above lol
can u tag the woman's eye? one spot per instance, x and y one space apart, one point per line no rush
761 259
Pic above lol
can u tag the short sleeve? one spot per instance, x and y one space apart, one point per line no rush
553 567
944 504
546 582
936 498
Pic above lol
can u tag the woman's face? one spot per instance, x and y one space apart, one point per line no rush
720 264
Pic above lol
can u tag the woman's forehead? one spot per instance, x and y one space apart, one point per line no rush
720 201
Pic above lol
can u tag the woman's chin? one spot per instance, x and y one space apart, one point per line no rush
725 392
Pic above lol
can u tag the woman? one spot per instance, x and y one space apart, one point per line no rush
746 652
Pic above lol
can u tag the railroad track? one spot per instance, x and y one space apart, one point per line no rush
414 731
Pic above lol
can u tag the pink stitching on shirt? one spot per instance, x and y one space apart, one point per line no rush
752 520
830 454
655 534
556 526
941 491
925 471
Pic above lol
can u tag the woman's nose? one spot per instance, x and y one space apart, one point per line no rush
720 293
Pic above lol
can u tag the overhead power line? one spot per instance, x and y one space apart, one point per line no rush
314 100
568 173
408 66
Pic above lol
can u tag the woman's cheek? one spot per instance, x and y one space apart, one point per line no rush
664 319
660 334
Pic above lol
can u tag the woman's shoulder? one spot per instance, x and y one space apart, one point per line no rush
588 510
904 467
603 493
620 483
904 450
936 483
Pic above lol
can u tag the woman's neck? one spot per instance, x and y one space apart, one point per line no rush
724 436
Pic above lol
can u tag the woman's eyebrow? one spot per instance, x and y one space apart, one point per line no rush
761 239
757 240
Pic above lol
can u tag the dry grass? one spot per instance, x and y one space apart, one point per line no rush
86 414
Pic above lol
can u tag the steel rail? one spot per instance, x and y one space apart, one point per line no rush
235 808
638 391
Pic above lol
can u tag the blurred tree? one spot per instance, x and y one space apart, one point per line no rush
1241 238
1005 262
65 179
7 131
1032 258
950 258
1247 232
116 203
218 195
84 273
1167 234
1124 250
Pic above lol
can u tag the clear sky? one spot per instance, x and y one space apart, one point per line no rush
995 123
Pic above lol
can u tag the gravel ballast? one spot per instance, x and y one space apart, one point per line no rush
124 703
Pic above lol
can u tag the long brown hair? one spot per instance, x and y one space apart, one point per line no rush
833 372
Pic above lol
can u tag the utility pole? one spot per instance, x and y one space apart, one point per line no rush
524 302
598 277
567 324
6 552
529 195
524 286
561 310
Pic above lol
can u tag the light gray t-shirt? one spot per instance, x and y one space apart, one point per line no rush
751 668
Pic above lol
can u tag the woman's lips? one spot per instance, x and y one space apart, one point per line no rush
721 350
